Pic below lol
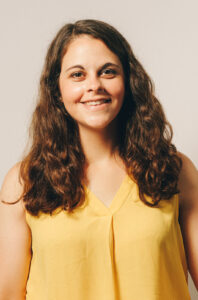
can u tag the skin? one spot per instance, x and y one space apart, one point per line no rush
15 240
105 171
188 214
83 78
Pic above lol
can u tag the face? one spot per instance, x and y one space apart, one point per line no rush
91 83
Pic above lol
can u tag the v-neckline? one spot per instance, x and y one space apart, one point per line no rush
116 202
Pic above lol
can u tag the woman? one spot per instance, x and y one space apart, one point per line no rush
94 205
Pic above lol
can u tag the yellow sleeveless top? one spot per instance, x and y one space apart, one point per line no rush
128 251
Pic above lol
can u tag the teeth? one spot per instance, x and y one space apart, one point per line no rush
97 102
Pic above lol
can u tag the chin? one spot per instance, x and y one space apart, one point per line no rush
97 125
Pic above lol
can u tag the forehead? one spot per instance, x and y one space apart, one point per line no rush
86 48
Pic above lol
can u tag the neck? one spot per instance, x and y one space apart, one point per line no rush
98 145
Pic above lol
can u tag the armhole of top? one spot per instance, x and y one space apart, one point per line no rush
28 218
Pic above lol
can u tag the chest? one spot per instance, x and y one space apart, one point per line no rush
132 225
105 185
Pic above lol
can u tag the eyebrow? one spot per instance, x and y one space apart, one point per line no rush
108 64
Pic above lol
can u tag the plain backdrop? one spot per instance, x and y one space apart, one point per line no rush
163 35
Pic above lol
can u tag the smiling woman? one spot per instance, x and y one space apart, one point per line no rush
93 210
93 85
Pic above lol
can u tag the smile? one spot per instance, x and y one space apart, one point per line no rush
96 102
96 105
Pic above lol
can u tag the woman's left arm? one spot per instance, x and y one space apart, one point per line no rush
188 213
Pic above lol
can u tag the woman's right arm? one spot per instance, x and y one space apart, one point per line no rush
15 240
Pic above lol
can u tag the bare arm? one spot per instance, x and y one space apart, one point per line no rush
188 217
15 240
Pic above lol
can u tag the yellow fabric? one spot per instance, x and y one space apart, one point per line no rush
126 252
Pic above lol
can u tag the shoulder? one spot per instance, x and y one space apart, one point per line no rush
188 182
12 186
12 209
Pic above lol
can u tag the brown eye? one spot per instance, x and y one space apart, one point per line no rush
109 72
76 74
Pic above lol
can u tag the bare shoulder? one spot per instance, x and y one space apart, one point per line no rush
12 188
188 182
12 209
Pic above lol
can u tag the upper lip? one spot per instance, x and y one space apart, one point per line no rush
97 99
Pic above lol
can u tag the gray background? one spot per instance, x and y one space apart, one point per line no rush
163 35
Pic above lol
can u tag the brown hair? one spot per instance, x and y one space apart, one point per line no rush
53 170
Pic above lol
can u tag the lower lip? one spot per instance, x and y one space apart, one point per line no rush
96 107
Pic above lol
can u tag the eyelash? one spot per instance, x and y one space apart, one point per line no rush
73 74
112 71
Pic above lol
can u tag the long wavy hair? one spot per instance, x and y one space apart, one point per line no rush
53 169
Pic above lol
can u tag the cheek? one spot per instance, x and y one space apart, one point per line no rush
118 89
71 93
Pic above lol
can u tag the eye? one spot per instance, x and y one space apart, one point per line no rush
109 72
77 74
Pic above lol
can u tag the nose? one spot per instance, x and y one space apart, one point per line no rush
93 83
